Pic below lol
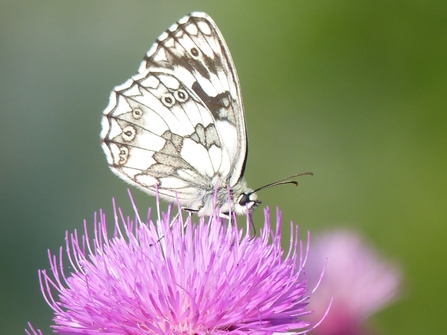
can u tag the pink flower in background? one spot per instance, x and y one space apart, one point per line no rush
205 278
356 277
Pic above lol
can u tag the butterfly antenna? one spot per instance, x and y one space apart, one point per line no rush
284 181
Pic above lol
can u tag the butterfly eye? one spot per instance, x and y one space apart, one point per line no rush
168 100
194 52
244 199
129 133
137 113
181 95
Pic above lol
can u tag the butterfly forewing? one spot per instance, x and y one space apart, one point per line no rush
177 126
195 50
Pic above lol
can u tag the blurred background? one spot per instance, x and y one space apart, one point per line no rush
354 91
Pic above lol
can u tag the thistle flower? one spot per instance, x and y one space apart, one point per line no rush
358 280
176 277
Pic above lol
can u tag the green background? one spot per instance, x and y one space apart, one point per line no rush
354 91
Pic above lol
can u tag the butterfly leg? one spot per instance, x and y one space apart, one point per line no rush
170 226
190 210
252 224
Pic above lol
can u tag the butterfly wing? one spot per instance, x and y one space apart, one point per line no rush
178 125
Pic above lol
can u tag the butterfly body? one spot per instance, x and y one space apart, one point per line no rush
177 127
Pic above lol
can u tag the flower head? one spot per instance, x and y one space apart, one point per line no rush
358 280
176 277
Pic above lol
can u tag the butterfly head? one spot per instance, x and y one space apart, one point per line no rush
238 199
246 199
245 202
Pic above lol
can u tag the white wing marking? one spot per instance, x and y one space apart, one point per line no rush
197 155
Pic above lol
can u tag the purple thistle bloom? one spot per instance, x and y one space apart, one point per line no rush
205 278
356 277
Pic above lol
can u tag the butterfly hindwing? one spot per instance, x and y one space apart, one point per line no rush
158 132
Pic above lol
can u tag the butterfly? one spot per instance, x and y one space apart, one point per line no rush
177 127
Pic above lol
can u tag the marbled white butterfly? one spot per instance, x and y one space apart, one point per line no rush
177 127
